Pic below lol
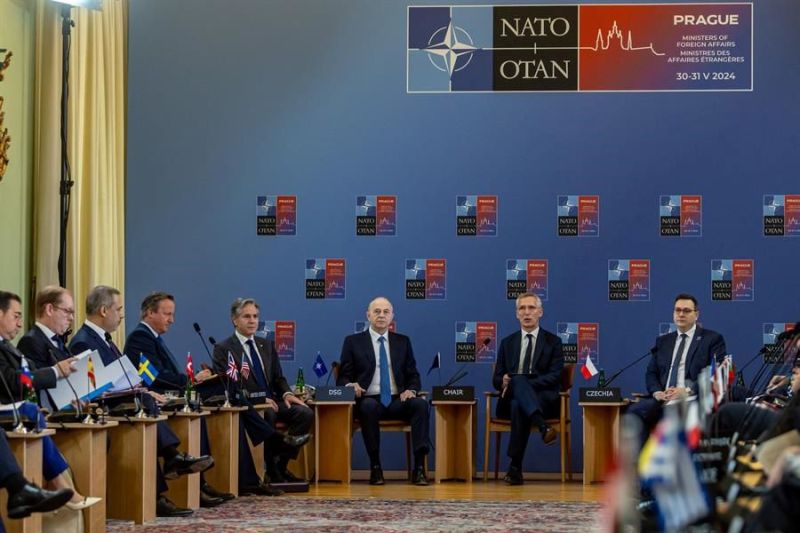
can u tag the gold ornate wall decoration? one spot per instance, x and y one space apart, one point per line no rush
5 138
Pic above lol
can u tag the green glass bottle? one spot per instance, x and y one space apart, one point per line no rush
300 384
189 395
601 378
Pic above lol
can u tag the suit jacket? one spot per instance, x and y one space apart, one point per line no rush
11 365
39 349
547 363
357 364
269 357
704 345
87 339
142 341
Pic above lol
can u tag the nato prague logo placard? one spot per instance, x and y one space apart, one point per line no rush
681 216
282 334
476 342
579 340
782 215
426 279
586 47
325 279
476 216
629 280
732 280
276 215
376 215
578 216
773 343
526 276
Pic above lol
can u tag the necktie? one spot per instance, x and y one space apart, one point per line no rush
258 370
59 344
676 363
112 345
526 362
386 382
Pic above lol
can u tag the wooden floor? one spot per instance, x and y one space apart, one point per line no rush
477 490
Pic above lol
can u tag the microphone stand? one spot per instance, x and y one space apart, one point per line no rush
88 418
203 339
19 426
139 410
626 367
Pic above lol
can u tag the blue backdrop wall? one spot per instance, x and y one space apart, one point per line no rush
235 99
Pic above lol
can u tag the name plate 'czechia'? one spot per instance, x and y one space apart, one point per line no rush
335 394
598 395
453 394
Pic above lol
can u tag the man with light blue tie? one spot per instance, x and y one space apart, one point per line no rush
678 358
380 366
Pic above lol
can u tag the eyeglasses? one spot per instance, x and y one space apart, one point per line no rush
684 310
68 312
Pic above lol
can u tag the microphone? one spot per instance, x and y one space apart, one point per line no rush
334 366
652 351
212 340
458 376
19 427
205 345
54 359
486 342
136 400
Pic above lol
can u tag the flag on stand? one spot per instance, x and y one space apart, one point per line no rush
588 369
692 425
319 366
666 467
189 367
90 372
25 376
232 372
245 368
436 363
147 372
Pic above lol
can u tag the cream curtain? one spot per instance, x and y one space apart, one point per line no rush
96 134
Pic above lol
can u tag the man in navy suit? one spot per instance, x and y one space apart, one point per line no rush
104 314
679 357
157 316
528 376
380 366
263 384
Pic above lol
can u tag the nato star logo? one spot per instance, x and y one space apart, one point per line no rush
450 49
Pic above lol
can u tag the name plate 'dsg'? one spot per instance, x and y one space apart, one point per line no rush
611 394
335 394
453 394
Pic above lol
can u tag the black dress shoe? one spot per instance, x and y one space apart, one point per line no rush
32 499
274 477
183 463
295 441
549 435
214 493
165 508
514 476
291 478
418 477
261 490
206 500
376 476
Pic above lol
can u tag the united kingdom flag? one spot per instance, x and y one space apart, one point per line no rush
245 369
233 371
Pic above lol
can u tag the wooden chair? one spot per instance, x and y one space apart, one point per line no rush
562 424
396 426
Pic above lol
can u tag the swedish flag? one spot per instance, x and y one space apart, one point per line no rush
147 372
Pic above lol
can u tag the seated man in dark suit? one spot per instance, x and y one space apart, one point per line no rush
677 361
25 497
380 366
104 314
12 362
528 376
157 315
263 384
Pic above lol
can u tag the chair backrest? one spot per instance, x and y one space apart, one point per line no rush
567 377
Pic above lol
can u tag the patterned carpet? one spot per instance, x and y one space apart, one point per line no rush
297 513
